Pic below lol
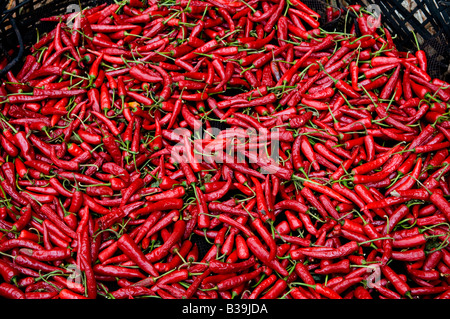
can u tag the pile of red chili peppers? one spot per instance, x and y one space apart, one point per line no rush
94 204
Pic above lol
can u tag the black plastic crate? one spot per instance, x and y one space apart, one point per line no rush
321 8
430 21
20 24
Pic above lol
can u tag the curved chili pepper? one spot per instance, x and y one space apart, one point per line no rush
10 291
8 273
128 246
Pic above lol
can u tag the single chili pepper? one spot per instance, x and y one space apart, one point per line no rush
276 290
19 242
176 192
325 291
442 204
308 151
128 246
432 260
219 267
423 291
312 199
362 293
95 66
11 191
36 264
9 273
129 292
9 291
8 146
262 286
229 210
379 70
395 217
65 165
69 294
341 251
409 255
25 217
346 283
267 237
118 271
53 254
255 246
24 145
233 282
402 287
54 218
136 185
386 292
163 250
262 16
181 254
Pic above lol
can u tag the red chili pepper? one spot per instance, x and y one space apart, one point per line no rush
8 146
402 287
19 242
21 223
11 191
128 246
10 291
341 251
440 202
8 273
